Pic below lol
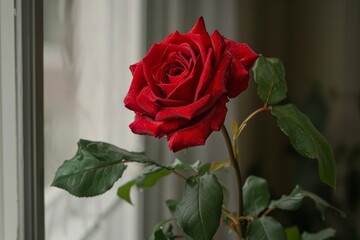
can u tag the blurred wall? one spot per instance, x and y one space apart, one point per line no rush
319 44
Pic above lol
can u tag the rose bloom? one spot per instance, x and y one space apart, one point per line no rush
181 87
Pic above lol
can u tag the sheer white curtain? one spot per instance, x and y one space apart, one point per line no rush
89 46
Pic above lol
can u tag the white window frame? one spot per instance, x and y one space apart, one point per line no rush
21 184
9 138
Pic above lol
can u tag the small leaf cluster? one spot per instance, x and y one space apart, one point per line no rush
98 165
259 206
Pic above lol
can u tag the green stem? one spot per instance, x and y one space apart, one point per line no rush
179 174
251 116
232 152
267 212
235 163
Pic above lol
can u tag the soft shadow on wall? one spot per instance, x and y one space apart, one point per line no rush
318 43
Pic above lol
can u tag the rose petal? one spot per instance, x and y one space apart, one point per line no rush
242 60
143 125
177 39
186 87
137 84
147 126
133 67
199 26
241 52
203 43
218 44
147 102
216 85
188 112
163 74
184 91
171 102
238 80
201 37
183 48
197 133
151 59
168 87
160 101
206 76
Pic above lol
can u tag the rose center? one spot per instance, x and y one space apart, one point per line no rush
175 70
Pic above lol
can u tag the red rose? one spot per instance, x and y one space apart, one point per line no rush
181 87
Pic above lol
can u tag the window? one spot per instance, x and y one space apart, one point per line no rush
87 50
9 126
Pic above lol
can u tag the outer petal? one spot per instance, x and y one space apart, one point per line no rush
171 102
188 112
242 58
201 37
164 102
178 39
206 77
217 84
238 79
144 125
218 44
147 126
137 84
133 67
199 26
183 48
197 133
147 102
241 52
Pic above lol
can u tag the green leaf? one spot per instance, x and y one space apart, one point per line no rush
148 178
322 235
124 191
307 140
158 233
269 74
94 169
151 175
186 167
266 228
204 169
198 212
172 204
256 195
293 233
106 151
293 201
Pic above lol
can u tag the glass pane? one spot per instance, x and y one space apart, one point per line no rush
87 50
